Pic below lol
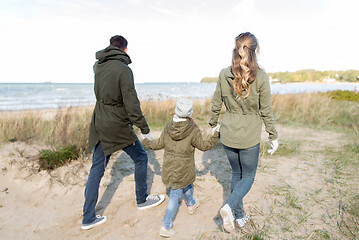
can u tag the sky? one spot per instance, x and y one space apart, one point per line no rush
173 41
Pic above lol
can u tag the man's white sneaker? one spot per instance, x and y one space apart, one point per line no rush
99 220
228 219
151 201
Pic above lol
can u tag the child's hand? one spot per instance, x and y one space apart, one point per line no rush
216 128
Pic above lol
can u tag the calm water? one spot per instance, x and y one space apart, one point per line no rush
20 96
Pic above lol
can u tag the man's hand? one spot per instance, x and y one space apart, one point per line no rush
148 136
273 146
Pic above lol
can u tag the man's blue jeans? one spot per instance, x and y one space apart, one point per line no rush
172 204
244 164
99 163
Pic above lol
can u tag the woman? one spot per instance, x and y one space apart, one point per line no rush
245 91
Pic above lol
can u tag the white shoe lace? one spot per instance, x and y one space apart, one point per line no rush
153 197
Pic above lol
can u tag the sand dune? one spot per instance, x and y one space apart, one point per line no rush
48 205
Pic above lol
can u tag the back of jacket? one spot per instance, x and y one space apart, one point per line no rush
117 106
242 122
179 140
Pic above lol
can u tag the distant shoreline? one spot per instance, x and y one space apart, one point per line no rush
318 83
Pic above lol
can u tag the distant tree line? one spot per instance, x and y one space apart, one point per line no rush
315 76
209 79
308 75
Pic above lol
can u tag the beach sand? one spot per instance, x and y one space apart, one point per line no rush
48 205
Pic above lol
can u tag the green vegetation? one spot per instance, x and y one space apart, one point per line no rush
209 79
51 159
343 95
315 76
308 75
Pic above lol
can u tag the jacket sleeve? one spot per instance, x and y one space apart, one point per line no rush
204 144
155 144
216 104
265 108
131 102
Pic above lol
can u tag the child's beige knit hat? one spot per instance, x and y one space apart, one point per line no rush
184 108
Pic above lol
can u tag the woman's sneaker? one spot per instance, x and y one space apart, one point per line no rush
151 201
228 219
193 208
166 233
242 221
99 220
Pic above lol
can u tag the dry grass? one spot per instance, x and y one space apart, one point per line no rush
66 127
63 127
314 109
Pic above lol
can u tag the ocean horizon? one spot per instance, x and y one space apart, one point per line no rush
47 95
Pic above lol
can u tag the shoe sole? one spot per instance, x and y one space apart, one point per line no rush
165 236
153 205
93 225
226 222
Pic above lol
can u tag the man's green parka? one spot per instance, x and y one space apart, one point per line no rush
179 139
117 106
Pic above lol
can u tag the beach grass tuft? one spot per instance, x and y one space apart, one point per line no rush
51 159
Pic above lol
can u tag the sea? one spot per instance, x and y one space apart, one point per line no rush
24 96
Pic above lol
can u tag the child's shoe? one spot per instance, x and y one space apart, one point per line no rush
228 219
193 208
166 233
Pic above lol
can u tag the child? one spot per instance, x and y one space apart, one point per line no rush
179 138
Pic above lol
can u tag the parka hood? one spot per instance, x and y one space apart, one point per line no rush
112 53
179 130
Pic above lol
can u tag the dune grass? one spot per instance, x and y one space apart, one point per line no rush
51 159
316 110
70 126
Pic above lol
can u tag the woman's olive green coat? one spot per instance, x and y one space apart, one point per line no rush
117 106
179 139
241 126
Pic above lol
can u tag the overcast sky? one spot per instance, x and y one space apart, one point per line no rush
171 40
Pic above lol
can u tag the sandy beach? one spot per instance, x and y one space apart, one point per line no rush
48 205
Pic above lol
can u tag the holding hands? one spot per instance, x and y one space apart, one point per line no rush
214 129
148 136
273 146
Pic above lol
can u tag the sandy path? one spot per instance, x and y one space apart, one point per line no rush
39 205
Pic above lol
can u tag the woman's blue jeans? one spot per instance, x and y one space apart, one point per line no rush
172 204
244 164
99 163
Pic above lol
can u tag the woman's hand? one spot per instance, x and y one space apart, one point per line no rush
273 146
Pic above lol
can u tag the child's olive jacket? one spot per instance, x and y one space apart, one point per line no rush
241 126
117 106
179 140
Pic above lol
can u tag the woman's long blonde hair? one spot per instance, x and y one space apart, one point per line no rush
244 62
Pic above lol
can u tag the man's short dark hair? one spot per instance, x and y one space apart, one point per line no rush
119 41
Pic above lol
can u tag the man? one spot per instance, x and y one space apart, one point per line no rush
117 109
